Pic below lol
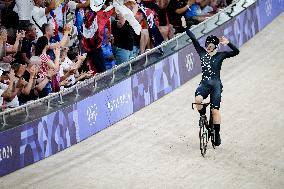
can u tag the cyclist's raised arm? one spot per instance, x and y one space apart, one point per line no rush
195 42
235 51
227 54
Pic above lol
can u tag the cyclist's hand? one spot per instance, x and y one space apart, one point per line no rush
224 41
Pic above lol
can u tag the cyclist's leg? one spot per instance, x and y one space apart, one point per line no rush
215 99
215 105
201 93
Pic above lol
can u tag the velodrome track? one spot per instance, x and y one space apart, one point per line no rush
158 147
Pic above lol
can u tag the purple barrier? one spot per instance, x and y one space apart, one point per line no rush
52 133
120 104
37 140
268 10
93 115
243 27
154 82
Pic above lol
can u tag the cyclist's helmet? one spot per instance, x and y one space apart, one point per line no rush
212 39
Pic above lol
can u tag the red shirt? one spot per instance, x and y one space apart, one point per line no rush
103 18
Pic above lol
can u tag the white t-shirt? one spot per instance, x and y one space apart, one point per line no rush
23 8
38 13
66 65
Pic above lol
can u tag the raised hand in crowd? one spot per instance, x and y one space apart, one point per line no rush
20 35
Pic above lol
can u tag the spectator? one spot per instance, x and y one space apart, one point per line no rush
26 49
23 8
69 17
29 80
123 39
32 85
39 13
176 10
41 48
7 51
159 7
13 86
198 12
12 23
151 23
48 31
206 7
107 50
69 74
93 30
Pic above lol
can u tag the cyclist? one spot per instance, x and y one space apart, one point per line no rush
211 63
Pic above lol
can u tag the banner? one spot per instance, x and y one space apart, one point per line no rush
119 103
37 140
154 82
93 115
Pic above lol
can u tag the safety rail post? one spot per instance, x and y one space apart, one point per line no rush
216 23
27 111
130 68
77 91
243 5
113 75
48 103
4 120
146 60
95 84
203 30
231 12
177 45
61 99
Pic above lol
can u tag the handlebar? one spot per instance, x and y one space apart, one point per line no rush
205 104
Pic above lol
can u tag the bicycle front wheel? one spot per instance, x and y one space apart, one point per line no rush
203 140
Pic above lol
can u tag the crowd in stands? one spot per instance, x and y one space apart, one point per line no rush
49 45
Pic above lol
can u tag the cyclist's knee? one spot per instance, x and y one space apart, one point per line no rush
215 112
198 99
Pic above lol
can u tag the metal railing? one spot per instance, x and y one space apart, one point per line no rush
227 11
